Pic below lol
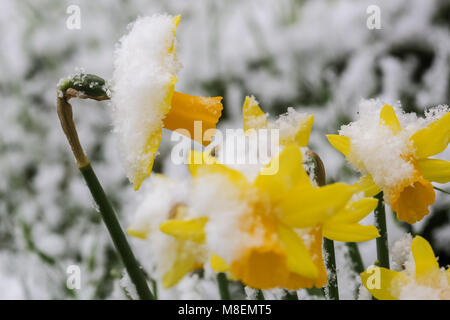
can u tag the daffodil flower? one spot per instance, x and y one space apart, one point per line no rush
174 257
268 232
394 156
295 128
144 98
425 281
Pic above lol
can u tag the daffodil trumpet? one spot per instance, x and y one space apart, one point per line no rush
92 87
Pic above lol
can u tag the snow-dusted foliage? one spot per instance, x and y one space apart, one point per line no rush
316 56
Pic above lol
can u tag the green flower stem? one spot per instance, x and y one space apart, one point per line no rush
442 190
118 236
355 256
223 286
382 240
328 245
92 87
332 284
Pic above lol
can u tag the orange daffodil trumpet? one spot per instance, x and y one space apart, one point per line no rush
421 278
392 150
267 230
144 98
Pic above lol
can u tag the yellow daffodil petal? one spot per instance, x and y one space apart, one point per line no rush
192 116
301 135
367 185
290 173
424 258
192 229
201 164
382 283
302 208
435 170
355 211
341 143
184 264
254 117
201 160
141 234
298 257
218 264
349 232
433 139
388 118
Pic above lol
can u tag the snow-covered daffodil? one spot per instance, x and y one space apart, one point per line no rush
144 98
421 279
268 232
392 150
172 257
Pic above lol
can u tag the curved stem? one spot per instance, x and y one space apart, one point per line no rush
93 87
382 240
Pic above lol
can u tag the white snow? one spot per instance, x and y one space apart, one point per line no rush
144 72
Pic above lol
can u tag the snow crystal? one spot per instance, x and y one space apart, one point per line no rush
143 75
289 123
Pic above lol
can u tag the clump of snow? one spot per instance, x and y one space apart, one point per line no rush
289 123
414 291
401 254
158 200
128 286
217 198
145 69
251 293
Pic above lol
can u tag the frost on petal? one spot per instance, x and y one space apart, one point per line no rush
145 68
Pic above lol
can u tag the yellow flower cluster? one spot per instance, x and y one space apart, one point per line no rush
285 218
276 222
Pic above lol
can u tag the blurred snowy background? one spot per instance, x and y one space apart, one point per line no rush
317 56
